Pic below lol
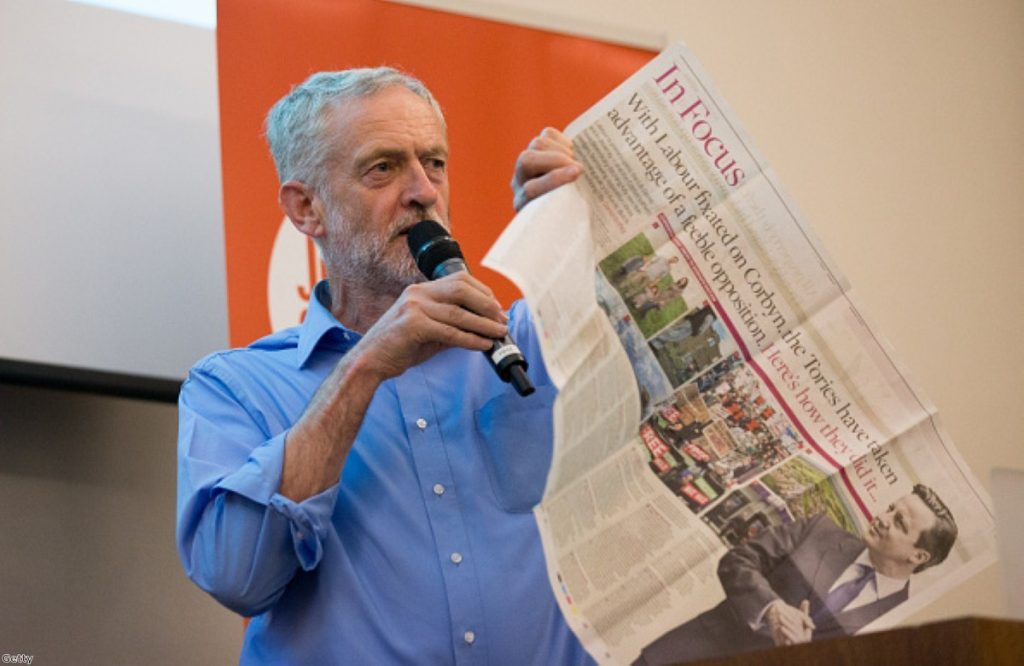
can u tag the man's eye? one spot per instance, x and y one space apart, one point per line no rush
381 167
900 521
436 164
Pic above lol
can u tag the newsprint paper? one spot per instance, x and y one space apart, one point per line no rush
735 447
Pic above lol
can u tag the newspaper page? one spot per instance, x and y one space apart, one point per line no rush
739 460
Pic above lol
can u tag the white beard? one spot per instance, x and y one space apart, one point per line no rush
381 262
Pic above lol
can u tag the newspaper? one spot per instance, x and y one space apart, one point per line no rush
727 418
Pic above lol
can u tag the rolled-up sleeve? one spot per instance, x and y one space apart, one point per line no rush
238 538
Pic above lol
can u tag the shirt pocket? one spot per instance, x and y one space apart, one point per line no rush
517 437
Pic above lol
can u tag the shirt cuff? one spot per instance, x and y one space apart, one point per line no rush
259 479
308 521
759 621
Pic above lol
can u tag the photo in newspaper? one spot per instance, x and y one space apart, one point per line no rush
739 460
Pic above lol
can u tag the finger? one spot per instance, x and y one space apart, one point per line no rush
444 334
460 277
543 184
466 291
786 623
549 150
534 163
795 637
450 287
779 637
550 136
432 316
417 327
457 301
788 636
554 143
793 621
801 635
805 608
461 318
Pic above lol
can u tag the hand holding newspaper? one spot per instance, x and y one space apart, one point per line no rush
739 460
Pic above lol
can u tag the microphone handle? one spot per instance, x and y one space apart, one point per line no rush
510 364
504 355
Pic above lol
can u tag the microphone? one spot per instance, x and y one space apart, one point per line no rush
437 255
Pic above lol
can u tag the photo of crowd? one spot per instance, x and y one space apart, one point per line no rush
792 491
716 434
652 384
689 345
747 512
808 491
655 293
650 284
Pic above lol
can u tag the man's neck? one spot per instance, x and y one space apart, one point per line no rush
889 568
356 306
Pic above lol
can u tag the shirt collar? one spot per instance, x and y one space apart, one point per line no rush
884 585
320 324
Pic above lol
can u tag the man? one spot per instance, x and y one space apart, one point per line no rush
685 357
653 295
810 580
641 270
361 484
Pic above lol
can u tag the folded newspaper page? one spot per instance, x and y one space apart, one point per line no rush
739 459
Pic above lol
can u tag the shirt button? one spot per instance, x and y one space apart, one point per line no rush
438 489
456 557
421 424
469 637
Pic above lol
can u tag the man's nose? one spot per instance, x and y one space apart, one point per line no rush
420 189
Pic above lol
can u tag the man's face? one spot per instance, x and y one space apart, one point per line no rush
893 533
386 171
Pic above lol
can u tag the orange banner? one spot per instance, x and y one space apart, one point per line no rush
498 84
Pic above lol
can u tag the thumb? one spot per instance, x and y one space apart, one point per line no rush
805 608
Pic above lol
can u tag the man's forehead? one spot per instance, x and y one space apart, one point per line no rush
393 104
391 119
920 515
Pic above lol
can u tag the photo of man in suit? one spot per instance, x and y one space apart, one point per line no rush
810 580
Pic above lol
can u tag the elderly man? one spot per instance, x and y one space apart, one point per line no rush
810 580
361 484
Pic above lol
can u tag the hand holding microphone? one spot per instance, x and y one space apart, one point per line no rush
437 255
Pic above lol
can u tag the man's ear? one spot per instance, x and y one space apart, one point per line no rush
920 556
303 207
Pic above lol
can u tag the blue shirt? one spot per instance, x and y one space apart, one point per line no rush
425 552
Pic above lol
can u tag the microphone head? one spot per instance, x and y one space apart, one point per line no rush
431 246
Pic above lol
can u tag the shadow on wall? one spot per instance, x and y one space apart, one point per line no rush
90 573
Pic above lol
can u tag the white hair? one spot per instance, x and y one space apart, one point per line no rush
295 124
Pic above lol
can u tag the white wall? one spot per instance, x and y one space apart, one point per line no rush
110 202
89 573
111 257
